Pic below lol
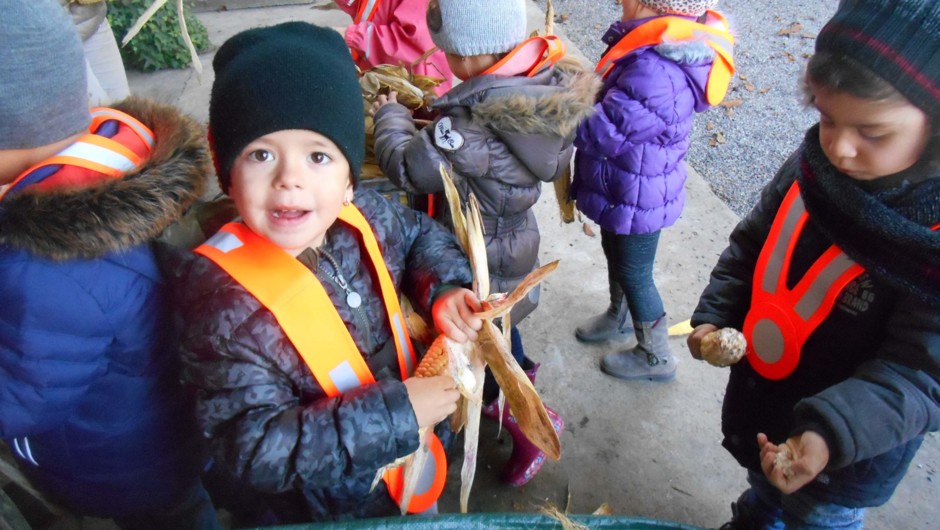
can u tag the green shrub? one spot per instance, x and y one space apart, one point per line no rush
159 44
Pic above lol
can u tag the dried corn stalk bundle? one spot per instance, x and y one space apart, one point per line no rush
414 91
465 363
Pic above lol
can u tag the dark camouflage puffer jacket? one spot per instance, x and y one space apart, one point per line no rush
267 418
501 137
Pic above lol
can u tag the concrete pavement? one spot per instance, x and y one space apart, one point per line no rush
648 450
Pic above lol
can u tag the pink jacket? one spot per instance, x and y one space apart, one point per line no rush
397 34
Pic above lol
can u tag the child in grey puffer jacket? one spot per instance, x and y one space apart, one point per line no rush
502 132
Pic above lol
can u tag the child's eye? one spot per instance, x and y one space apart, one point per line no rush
873 136
320 158
260 155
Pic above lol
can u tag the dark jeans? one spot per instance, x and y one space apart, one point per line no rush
763 506
630 260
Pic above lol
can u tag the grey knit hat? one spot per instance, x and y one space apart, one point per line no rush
43 88
899 41
476 27
692 8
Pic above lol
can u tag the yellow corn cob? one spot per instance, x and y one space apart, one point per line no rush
435 361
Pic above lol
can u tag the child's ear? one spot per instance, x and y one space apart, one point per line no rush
348 197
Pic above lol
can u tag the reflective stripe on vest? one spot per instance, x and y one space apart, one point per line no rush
529 57
781 319
294 294
97 153
714 32
365 14
366 11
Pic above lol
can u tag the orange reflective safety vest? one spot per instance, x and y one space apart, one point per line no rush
105 156
781 319
304 311
365 14
529 57
713 31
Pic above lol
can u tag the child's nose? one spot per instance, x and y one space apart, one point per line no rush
842 144
289 175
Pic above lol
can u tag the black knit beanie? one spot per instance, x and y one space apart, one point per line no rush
898 40
290 76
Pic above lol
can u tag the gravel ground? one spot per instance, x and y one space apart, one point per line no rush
736 147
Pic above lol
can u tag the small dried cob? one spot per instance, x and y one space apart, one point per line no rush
723 347
784 460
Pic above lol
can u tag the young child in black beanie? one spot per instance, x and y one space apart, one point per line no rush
841 314
295 342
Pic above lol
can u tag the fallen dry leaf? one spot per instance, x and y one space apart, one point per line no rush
729 112
588 231
749 87
731 103
795 27
709 126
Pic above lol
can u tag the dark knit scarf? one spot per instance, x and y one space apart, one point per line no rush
887 231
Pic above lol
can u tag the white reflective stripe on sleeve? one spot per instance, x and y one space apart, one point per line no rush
368 50
400 334
25 452
100 155
143 133
344 377
224 241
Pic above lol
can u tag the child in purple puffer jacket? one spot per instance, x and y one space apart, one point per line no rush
667 59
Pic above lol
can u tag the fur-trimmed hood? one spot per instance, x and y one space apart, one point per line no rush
118 214
552 102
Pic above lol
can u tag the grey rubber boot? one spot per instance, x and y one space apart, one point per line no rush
651 358
612 324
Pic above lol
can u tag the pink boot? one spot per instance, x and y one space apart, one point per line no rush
526 459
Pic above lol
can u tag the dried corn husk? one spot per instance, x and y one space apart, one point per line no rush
414 91
562 187
465 363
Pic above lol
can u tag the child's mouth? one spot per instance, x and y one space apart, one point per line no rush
288 214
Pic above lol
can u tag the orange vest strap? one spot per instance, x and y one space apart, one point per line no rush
366 10
781 319
423 498
366 13
714 32
294 296
406 353
99 153
530 57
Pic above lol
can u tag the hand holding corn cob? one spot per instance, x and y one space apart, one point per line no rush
723 347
